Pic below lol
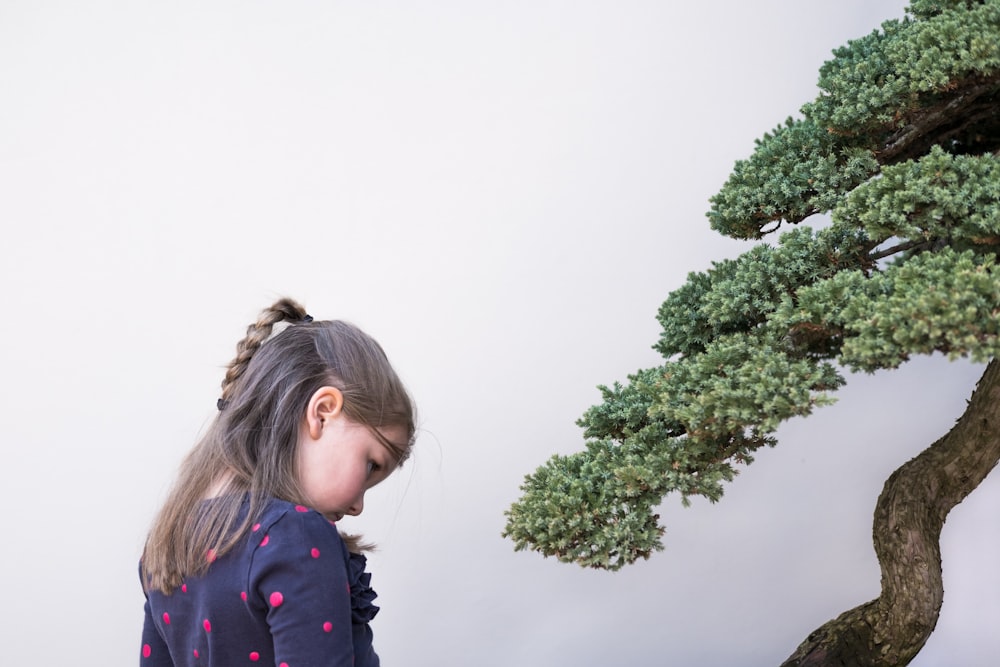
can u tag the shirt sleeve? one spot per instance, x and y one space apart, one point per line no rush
154 651
298 579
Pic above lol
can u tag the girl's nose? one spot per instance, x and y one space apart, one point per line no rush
357 506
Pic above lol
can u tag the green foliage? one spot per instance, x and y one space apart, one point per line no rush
946 302
594 507
901 147
736 295
878 93
879 81
927 8
740 385
939 197
797 170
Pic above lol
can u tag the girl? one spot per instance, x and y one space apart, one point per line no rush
244 564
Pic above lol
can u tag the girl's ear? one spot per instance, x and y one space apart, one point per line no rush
325 404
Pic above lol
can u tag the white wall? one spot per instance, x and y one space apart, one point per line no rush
502 193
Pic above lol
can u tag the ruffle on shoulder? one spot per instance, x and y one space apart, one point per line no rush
362 595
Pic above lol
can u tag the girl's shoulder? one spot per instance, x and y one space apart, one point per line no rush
282 523
294 549
274 509
313 538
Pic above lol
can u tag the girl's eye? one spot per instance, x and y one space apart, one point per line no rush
372 467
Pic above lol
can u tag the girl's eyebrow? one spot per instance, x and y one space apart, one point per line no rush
404 450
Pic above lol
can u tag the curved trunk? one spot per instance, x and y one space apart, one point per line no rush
909 515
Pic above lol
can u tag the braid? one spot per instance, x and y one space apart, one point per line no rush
280 311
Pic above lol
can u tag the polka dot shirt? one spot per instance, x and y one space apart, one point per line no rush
282 597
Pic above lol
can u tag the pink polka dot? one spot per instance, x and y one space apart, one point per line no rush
301 508
284 664
207 625
256 527
276 599
243 595
166 618
184 588
146 650
196 653
263 542
314 553
328 627
210 556
254 656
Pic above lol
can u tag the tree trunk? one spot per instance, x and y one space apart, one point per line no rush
909 515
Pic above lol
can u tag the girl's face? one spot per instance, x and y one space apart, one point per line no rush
336 468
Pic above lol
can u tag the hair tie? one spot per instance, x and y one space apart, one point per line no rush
221 404
307 319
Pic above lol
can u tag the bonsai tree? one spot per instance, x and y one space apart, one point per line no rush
900 148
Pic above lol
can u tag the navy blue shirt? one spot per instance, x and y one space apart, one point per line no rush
288 595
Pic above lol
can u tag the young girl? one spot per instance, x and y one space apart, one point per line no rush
244 564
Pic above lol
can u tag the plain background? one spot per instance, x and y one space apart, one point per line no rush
502 193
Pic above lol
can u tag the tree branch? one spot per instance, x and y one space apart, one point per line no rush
913 137
909 516
898 248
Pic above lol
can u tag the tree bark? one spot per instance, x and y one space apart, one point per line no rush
909 515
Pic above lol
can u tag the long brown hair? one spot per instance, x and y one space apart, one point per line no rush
250 447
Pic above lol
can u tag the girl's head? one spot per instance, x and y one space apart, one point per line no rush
313 414
279 388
